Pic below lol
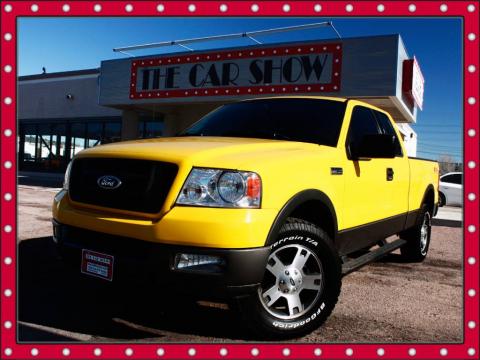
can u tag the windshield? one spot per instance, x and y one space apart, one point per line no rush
294 119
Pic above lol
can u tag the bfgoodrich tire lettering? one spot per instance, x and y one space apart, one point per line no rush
301 285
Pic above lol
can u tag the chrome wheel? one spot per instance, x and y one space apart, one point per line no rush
293 282
424 234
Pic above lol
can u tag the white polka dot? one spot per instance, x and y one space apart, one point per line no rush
7 196
7 292
8 8
471 164
286 352
66 352
7 351
471 36
255 8
255 352
412 352
160 352
160 7
471 351
97 8
34 7
381 8
7 228
443 7
471 8
7 100
7 164
7 68
471 100
471 197
66 8
192 352
286 8
349 7
192 8
317 352
317 8
7 324
34 352
412 7
8 260
128 352
97 352
471 132
471 292
380 352
471 228
7 36
129 8
223 7
471 68
471 260
471 324
349 352
223 352
443 352
7 132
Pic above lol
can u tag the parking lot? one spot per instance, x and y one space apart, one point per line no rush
387 301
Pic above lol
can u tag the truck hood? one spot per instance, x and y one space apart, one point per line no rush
219 152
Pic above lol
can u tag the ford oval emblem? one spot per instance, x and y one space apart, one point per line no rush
109 182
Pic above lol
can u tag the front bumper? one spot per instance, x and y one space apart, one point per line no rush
181 225
154 264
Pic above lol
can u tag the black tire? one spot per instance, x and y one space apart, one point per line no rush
441 199
311 245
416 248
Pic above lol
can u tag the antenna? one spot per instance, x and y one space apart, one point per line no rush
249 34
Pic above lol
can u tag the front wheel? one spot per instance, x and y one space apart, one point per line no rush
301 284
418 238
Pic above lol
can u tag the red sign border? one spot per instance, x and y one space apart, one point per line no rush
468 11
234 54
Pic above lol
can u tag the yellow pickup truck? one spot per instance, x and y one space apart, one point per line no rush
264 203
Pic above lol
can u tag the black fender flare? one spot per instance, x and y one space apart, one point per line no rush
429 188
293 203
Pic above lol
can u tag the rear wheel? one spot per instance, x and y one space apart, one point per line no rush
301 284
441 199
418 238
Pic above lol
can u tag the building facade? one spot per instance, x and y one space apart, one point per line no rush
60 114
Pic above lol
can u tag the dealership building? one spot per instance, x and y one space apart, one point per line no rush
59 114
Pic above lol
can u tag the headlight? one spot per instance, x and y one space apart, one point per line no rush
221 188
66 179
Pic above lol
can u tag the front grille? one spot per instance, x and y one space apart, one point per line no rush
144 183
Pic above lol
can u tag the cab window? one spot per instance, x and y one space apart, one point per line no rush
363 123
387 128
453 179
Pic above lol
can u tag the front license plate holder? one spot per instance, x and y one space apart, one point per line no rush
97 264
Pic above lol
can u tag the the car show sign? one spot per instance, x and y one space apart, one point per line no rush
269 70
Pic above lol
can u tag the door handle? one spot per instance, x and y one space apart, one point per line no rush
390 174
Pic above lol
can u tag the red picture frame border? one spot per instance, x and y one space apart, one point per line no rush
11 10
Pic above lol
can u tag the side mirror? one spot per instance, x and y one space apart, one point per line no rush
374 146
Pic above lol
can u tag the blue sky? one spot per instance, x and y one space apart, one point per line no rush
61 44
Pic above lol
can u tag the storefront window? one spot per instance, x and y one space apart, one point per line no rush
50 146
113 132
150 128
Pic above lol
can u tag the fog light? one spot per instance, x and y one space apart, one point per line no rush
197 262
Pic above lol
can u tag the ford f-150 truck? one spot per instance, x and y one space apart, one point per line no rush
265 203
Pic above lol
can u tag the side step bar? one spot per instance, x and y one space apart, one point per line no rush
354 264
